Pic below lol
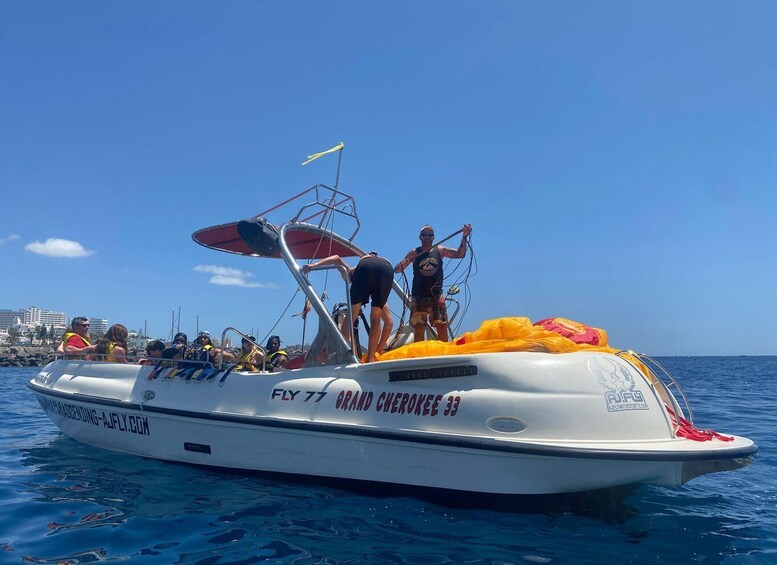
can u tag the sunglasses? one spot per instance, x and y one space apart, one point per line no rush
427 235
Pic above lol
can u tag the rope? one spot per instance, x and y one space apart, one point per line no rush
462 281
275 325
406 289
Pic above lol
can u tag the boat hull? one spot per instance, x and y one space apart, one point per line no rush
304 422
348 454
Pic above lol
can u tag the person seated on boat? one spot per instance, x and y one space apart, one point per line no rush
178 349
113 345
170 354
371 279
427 298
154 351
250 358
76 339
276 356
204 350
180 341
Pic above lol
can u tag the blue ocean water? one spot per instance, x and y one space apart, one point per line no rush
64 502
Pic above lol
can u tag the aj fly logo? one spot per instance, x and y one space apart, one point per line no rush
622 392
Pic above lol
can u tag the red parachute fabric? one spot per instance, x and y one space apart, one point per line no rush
574 331
689 431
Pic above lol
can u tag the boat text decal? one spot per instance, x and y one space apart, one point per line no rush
107 419
287 394
622 393
399 403
386 402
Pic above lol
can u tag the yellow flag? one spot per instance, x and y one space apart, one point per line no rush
315 156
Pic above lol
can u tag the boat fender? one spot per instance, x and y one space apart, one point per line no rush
213 375
208 373
154 374
196 372
187 373
222 379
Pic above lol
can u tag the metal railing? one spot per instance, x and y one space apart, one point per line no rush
125 360
346 276
329 201
248 339
662 383
343 350
337 202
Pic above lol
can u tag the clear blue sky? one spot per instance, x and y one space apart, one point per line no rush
618 161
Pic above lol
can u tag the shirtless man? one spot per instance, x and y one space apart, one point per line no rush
371 280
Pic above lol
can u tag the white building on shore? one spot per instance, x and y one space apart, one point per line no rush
98 326
10 318
25 320
34 316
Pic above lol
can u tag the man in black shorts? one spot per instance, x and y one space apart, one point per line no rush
427 298
371 280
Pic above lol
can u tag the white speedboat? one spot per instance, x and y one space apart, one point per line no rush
476 418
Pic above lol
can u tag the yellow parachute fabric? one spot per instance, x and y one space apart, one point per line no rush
502 335
493 336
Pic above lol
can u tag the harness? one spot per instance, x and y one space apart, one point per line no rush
109 357
199 353
339 311
244 361
68 335
275 355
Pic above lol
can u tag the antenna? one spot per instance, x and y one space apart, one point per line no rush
339 160
172 327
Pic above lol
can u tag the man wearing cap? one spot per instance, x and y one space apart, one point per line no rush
426 295
276 356
204 350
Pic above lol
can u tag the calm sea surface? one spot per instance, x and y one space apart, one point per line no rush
64 502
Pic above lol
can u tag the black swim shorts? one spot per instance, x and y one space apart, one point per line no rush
372 280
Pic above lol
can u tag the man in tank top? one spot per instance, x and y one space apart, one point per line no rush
426 295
